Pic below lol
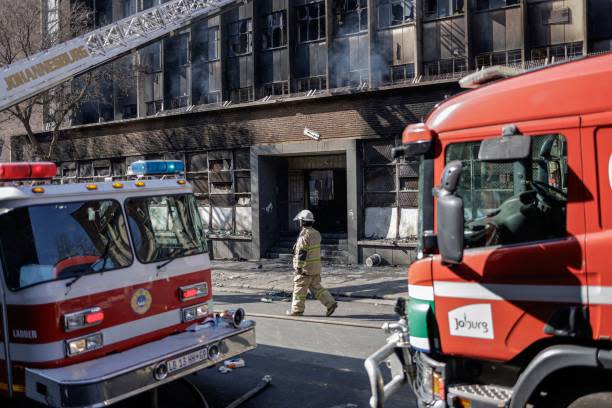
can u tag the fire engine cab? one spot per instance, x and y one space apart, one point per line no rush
106 286
511 297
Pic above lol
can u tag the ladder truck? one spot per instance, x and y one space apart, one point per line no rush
105 287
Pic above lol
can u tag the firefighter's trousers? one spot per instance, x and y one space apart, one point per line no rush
302 284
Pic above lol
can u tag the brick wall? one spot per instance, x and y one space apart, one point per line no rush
370 114
10 127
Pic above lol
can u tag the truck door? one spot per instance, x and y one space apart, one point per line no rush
597 141
6 369
522 270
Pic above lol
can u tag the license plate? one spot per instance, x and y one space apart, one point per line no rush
186 360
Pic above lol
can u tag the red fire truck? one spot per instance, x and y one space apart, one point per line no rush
511 300
105 288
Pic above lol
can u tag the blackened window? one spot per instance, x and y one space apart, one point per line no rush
394 12
176 72
129 7
151 57
311 22
493 4
274 33
442 8
351 16
206 44
240 37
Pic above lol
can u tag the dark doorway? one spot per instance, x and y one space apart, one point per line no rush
326 198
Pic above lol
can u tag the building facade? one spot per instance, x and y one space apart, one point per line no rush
281 105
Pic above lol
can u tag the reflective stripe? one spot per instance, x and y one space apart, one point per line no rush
16 387
300 297
311 247
422 343
319 293
311 261
601 295
421 292
32 353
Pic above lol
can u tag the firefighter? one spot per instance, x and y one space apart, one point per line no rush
307 267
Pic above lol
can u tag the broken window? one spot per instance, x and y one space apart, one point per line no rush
130 111
240 37
176 72
119 167
311 22
206 44
399 74
494 4
275 89
558 51
243 95
68 170
446 66
442 8
311 83
274 31
101 168
395 12
151 57
498 58
390 193
351 16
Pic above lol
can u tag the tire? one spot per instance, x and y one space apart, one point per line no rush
594 400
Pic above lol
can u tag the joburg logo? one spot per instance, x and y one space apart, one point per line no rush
472 321
141 301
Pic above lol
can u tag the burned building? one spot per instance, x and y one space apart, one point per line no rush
281 105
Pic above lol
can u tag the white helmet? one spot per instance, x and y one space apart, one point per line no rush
304 215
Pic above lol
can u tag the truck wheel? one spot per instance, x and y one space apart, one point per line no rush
595 400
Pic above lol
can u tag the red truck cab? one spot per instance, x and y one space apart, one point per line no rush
105 287
510 302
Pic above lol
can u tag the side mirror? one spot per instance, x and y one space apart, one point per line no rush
450 215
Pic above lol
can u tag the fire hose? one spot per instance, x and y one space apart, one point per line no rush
265 381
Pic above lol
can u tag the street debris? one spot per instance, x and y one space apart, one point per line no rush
265 381
234 363
266 300
224 370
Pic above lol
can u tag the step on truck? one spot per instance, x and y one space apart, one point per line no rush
510 300
106 287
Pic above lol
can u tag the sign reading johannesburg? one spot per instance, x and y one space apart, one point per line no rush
472 321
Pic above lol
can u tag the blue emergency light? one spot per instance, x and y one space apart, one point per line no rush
156 167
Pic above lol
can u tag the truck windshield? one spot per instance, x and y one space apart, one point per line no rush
57 241
165 226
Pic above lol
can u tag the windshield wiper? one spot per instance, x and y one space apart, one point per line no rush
103 256
177 252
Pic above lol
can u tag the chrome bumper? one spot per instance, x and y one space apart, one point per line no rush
397 356
109 379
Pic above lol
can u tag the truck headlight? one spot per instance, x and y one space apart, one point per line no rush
84 344
195 312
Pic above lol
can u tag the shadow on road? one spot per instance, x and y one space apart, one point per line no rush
299 379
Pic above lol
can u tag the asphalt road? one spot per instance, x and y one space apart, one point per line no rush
311 364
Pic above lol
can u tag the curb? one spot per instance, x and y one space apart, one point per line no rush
334 292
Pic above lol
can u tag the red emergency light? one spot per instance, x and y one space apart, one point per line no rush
27 171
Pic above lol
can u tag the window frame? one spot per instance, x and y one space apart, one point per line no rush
205 238
321 23
391 3
128 235
565 134
269 30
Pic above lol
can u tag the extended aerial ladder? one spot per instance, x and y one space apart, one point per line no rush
28 77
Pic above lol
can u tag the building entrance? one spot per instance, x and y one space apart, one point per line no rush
326 198
318 183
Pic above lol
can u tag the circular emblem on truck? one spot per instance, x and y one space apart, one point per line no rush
141 301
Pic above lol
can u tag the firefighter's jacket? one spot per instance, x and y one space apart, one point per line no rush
307 253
